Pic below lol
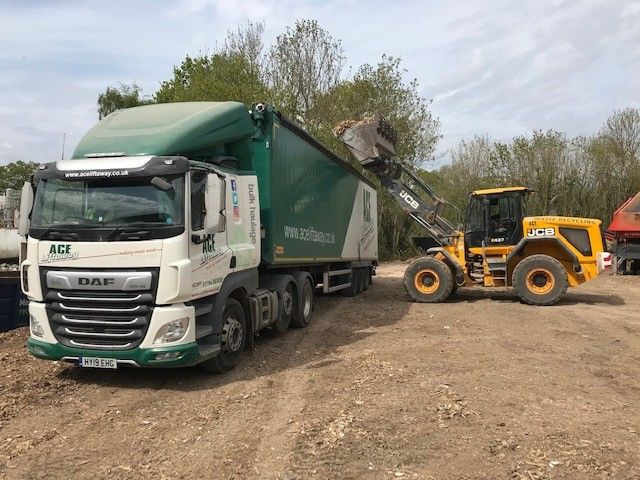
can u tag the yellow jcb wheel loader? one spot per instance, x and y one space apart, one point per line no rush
498 246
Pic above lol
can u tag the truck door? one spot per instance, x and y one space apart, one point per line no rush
209 253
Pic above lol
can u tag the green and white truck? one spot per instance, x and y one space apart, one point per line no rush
177 232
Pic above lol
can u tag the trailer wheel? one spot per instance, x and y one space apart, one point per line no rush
363 280
305 309
232 339
289 299
540 280
428 280
352 290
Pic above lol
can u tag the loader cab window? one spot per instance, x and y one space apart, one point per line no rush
494 220
504 219
474 223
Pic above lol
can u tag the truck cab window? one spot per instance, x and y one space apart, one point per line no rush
198 188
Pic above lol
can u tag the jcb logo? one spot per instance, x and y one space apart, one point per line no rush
541 232
367 206
409 199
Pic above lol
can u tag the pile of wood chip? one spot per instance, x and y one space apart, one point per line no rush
346 124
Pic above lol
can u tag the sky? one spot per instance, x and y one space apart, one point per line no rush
492 67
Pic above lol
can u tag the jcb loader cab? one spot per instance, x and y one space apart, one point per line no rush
498 246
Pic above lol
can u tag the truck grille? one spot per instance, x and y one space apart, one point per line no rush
97 319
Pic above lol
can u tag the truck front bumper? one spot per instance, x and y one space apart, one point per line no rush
174 356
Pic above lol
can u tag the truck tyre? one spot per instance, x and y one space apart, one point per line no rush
232 339
289 307
363 280
305 308
428 280
540 280
358 280
352 290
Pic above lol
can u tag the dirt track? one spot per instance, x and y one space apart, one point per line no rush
481 387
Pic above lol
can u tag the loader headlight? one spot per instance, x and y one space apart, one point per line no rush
172 331
35 326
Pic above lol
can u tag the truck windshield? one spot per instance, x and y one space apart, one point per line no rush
93 208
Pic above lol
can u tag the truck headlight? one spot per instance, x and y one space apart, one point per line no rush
35 326
172 331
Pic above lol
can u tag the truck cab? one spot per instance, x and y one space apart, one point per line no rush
116 259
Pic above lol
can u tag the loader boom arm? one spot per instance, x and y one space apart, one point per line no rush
372 143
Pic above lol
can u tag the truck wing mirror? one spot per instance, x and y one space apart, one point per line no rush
26 203
214 203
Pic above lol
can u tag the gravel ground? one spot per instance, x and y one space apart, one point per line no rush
480 387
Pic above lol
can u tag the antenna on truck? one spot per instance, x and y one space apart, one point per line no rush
64 135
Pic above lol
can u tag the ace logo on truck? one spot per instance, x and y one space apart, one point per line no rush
59 252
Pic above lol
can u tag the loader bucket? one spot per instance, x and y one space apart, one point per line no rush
372 142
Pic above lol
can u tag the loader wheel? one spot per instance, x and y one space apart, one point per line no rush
540 280
428 280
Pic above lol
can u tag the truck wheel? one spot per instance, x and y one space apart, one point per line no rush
540 280
289 301
428 280
358 280
352 290
232 339
305 309
363 280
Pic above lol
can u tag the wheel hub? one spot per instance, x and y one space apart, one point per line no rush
232 334
306 308
427 281
287 303
540 281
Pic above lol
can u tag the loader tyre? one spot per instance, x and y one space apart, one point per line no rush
428 280
232 339
540 280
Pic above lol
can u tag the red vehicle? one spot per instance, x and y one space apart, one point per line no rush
623 236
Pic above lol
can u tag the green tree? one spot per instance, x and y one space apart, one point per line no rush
218 77
304 63
125 96
13 175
